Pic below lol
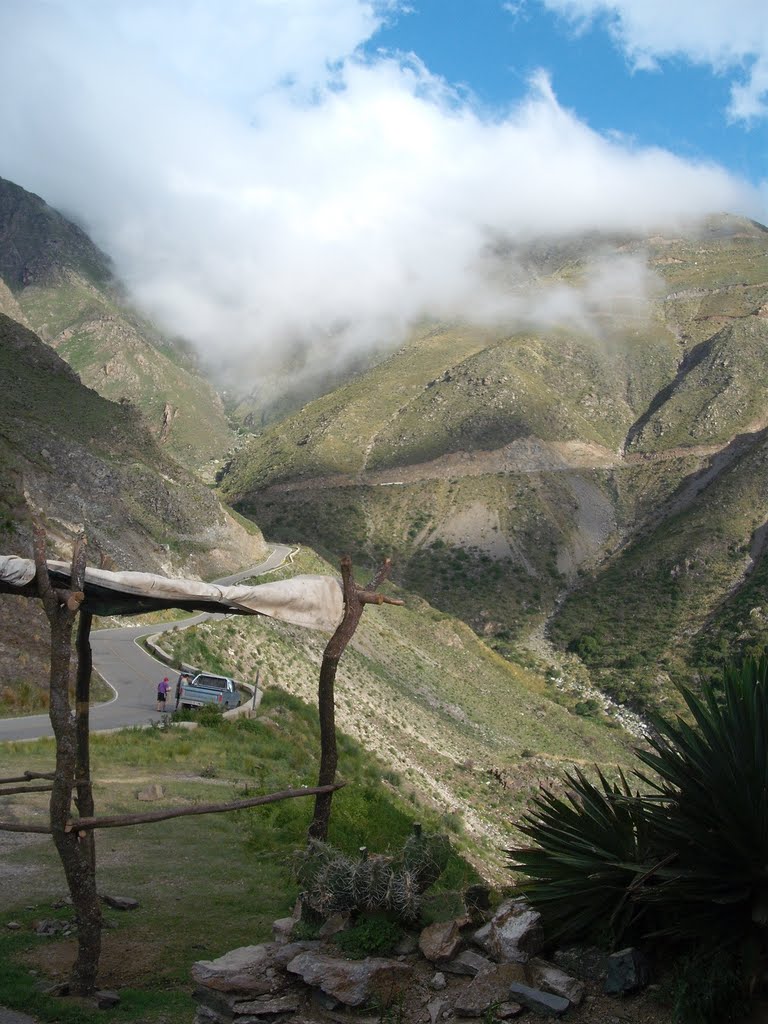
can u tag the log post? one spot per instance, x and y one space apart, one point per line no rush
84 797
61 607
355 600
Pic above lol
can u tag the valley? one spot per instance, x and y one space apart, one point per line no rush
575 514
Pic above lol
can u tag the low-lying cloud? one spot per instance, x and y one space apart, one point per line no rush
262 186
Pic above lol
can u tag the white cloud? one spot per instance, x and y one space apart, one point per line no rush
729 35
261 186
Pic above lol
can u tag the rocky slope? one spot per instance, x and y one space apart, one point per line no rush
56 281
512 473
76 459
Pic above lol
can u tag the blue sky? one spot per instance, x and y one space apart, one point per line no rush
492 48
273 173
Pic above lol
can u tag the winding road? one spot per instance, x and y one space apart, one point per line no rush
129 670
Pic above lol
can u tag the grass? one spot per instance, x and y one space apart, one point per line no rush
441 709
92 329
236 865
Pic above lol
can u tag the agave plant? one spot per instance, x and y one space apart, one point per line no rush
592 855
686 859
708 808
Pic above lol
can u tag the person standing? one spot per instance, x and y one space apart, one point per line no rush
184 678
162 693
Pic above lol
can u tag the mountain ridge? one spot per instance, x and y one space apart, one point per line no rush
506 470
66 291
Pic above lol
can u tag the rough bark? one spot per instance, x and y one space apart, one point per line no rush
81 825
355 600
84 785
76 857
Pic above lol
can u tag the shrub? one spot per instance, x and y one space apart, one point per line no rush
687 860
371 936
592 848
209 716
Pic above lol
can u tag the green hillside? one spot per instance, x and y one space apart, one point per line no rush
76 459
452 720
510 471
66 291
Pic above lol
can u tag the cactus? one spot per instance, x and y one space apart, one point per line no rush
336 882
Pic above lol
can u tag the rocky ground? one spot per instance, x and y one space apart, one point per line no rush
460 970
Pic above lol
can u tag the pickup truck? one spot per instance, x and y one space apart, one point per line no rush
206 688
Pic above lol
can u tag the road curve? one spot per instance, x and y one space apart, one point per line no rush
130 671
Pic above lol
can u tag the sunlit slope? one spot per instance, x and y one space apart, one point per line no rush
501 466
416 687
66 292
648 611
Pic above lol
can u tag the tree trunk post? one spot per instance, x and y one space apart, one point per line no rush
355 600
84 785
61 607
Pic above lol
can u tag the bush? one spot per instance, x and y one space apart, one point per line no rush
209 716
686 861
371 936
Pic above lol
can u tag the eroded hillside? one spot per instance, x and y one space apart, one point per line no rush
507 471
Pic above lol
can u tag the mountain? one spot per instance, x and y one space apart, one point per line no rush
606 477
54 280
75 458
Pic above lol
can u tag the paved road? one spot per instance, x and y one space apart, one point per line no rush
132 673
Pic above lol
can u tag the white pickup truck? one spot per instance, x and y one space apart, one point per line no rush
206 688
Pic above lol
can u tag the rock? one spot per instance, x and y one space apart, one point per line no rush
587 963
336 923
153 792
507 1010
266 1005
12 926
435 1009
627 971
490 986
120 902
551 979
282 928
282 955
441 941
352 982
543 1003
48 927
106 999
205 1015
241 971
56 988
515 933
467 962
438 982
